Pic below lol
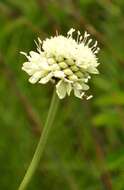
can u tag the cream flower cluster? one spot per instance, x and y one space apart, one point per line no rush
65 61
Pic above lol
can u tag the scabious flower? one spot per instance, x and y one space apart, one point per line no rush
65 61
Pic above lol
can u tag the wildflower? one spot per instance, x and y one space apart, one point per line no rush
65 61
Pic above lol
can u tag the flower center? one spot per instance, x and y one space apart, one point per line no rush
68 66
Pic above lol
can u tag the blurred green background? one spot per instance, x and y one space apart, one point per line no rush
85 149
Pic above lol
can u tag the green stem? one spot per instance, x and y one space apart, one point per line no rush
42 142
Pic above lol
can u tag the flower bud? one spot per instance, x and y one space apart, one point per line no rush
79 74
68 72
70 61
60 58
63 65
73 77
74 68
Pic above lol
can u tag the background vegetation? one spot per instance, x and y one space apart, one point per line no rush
86 146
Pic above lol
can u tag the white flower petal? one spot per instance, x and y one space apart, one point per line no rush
59 74
77 93
25 54
35 77
61 89
92 70
55 67
82 94
78 86
68 88
89 97
34 55
46 79
84 86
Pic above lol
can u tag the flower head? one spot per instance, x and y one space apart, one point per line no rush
65 61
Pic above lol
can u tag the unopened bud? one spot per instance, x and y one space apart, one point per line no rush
79 74
63 65
70 61
74 68
68 72
60 58
73 77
